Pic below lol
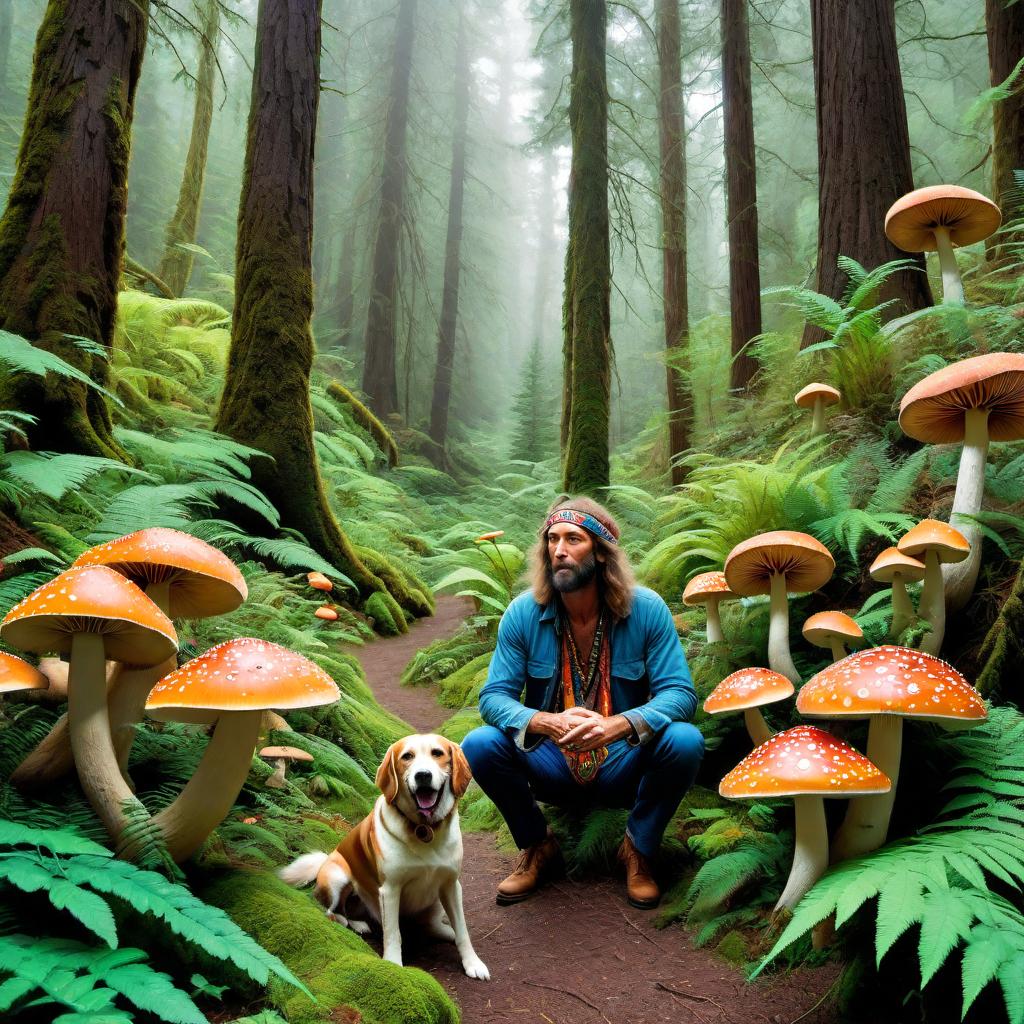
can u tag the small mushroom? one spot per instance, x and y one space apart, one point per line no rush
318 581
777 563
281 756
832 630
892 566
937 218
709 589
17 674
936 544
807 764
817 397
327 613
748 690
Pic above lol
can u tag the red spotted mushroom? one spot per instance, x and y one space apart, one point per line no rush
936 544
817 397
806 764
894 567
748 690
709 589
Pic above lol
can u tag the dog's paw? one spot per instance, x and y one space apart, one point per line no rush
476 968
337 918
359 927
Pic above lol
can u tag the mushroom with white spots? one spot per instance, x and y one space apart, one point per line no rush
709 589
748 690
894 567
832 630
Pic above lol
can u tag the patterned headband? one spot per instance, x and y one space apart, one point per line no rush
587 521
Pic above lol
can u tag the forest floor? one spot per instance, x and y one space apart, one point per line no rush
575 953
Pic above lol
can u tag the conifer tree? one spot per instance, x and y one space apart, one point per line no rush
533 416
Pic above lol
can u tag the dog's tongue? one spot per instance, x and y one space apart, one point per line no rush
426 799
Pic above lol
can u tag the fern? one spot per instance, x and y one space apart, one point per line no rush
19 355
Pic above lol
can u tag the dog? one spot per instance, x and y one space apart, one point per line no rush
404 858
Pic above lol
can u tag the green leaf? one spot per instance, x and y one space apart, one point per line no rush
899 907
13 834
946 921
469 575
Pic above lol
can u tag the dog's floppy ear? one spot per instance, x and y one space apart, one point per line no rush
387 774
461 775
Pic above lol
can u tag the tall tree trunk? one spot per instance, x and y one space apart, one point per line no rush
176 263
62 233
379 380
672 152
1004 22
587 317
863 147
740 191
346 276
453 247
266 391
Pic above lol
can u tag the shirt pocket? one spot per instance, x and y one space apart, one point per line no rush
630 669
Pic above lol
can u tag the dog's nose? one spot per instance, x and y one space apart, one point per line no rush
424 778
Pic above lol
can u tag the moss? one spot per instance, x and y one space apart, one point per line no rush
337 966
461 724
366 419
1002 653
457 689
404 585
386 614
733 948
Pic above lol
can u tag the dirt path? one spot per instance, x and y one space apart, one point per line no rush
575 953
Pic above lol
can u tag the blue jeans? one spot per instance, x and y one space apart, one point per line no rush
650 779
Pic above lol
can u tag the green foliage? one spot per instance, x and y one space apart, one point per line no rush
534 411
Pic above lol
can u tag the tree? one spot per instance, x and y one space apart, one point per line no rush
453 247
266 402
1004 23
740 191
533 411
672 152
863 147
176 263
62 232
586 346
379 375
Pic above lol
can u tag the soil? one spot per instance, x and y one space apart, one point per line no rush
575 953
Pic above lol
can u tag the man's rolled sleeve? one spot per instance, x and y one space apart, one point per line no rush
500 704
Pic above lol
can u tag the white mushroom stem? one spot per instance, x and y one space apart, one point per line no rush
960 577
810 853
933 603
89 727
779 658
205 801
952 286
838 650
714 625
818 420
277 780
902 608
757 727
867 819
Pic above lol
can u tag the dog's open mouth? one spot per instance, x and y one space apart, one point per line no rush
427 799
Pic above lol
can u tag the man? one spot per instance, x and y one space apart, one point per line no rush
587 701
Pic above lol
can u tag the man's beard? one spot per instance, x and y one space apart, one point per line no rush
573 577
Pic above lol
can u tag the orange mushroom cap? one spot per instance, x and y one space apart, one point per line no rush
491 536
706 586
805 562
327 614
92 599
892 680
318 581
933 409
807 396
911 221
16 674
803 761
821 627
747 688
893 562
934 535
290 753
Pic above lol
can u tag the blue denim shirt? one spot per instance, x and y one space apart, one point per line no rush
649 671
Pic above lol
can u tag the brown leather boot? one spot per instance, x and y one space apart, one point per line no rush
539 862
641 889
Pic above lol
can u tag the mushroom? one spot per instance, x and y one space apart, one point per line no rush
885 685
327 613
807 764
93 612
816 397
747 690
975 401
709 589
17 674
238 680
894 567
937 218
832 630
318 581
281 756
937 544
777 563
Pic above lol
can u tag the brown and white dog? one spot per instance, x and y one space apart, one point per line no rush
404 858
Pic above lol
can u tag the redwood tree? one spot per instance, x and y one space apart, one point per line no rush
62 232
379 374
863 146
586 346
672 150
1004 22
740 191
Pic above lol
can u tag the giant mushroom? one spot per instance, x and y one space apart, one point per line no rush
937 218
17 674
709 589
779 563
748 690
817 396
897 569
974 401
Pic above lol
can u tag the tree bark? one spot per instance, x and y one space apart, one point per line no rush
740 192
379 370
1002 653
453 247
672 151
1004 23
62 233
587 317
176 263
863 147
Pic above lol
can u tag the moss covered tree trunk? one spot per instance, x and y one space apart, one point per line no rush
176 263
453 247
586 317
379 362
62 232
740 191
1004 23
863 147
1001 679
266 392
675 305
